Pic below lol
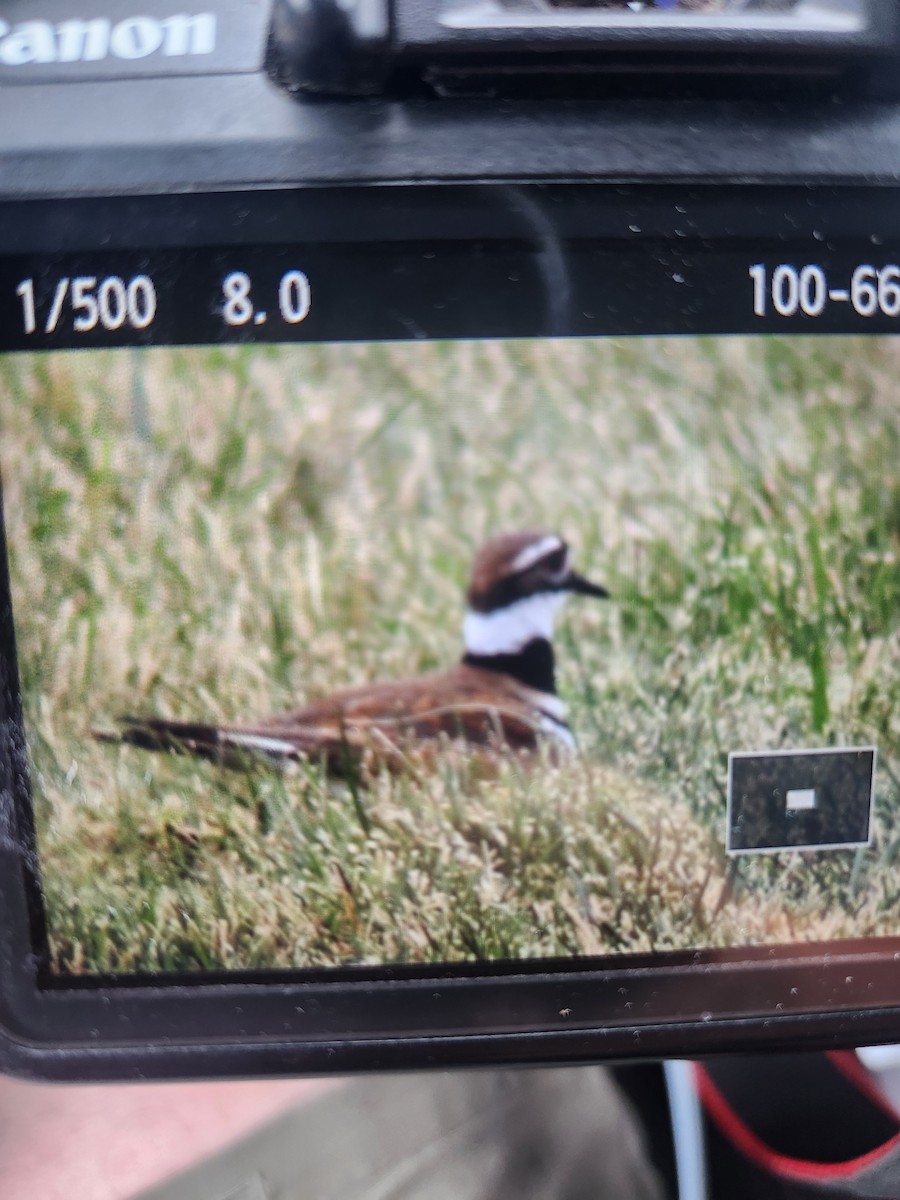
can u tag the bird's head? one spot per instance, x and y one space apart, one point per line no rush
518 583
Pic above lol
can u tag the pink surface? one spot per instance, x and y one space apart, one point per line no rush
109 1142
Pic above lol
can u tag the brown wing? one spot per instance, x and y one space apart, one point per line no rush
376 723
477 706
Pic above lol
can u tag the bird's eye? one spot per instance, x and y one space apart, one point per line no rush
555 563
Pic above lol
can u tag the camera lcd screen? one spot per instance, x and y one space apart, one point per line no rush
618 618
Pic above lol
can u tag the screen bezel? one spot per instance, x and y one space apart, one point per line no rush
689 1002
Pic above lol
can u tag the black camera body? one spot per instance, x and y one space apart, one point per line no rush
193 102
426 173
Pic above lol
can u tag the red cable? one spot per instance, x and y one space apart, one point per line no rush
753 1147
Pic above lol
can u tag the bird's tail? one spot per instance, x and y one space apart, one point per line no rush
345 751
228 746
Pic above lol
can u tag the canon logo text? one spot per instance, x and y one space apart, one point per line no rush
78 40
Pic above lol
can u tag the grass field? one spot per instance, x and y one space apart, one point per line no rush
217 533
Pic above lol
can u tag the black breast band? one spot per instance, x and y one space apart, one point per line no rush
533 665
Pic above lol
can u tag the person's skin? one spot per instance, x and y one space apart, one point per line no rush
109 1142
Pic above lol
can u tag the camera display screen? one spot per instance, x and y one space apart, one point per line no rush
440 651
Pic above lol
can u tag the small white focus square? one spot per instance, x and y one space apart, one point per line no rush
799 799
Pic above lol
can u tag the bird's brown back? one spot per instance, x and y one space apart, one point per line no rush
474 704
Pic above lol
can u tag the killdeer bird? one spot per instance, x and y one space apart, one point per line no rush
502 692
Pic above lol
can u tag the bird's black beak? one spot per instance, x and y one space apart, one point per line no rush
583 587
